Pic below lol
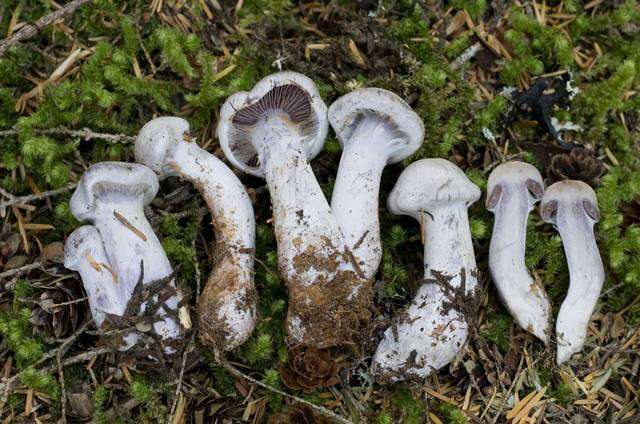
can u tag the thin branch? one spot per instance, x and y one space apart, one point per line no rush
26 199
84 133
21 270
30 30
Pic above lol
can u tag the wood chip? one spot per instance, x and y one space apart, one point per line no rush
356 55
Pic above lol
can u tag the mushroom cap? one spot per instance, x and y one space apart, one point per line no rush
155 140
569 194
513 173
430 183
344 114
226 131
81 239
109 179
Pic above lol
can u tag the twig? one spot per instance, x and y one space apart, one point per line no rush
32 197
321 409
30 30
466 56
85 134
20 270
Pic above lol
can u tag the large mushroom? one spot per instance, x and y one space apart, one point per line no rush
375 127
272 132
227 307
572 208
111 196
513 190
433 329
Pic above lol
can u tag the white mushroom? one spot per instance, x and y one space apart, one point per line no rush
111 195
572 208
433 329
84 252
513 189
227 311
375 127
273 131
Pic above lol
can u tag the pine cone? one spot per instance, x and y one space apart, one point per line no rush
579 164
309 368
58 313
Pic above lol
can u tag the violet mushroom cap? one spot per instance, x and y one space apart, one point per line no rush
84 252
112 195
431 332
228 304
242 154
572 208
272 132
512 191
375 127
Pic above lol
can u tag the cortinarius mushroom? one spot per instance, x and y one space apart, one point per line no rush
227 307
572 208
273 131
84 252
513 189
111 195
433 329
375 127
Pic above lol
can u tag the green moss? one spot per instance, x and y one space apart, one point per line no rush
412 410
451 414
15 329
40 381
497 330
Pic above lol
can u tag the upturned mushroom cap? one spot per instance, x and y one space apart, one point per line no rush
349 110
573 195
430 183
513 173
111 181
156 139
284 92
84 239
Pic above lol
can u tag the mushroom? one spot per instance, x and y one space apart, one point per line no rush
375 127
227 307
572 208
272 132
84 252
111 195
513 189
433 329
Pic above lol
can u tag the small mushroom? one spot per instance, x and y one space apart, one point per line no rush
571 206
273 131
84 252
227 307
433 329
513 190
375 127
112 195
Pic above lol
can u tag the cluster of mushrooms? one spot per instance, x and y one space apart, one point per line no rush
328 253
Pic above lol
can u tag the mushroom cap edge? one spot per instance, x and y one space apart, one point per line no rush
342 112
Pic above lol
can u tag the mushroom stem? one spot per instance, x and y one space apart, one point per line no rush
304 223
354 201
227 306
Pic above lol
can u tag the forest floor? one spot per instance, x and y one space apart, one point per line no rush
76 90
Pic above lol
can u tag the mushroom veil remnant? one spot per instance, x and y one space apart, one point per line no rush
375 127
572 208
433 329
111 195
513 189
227 307
273 131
